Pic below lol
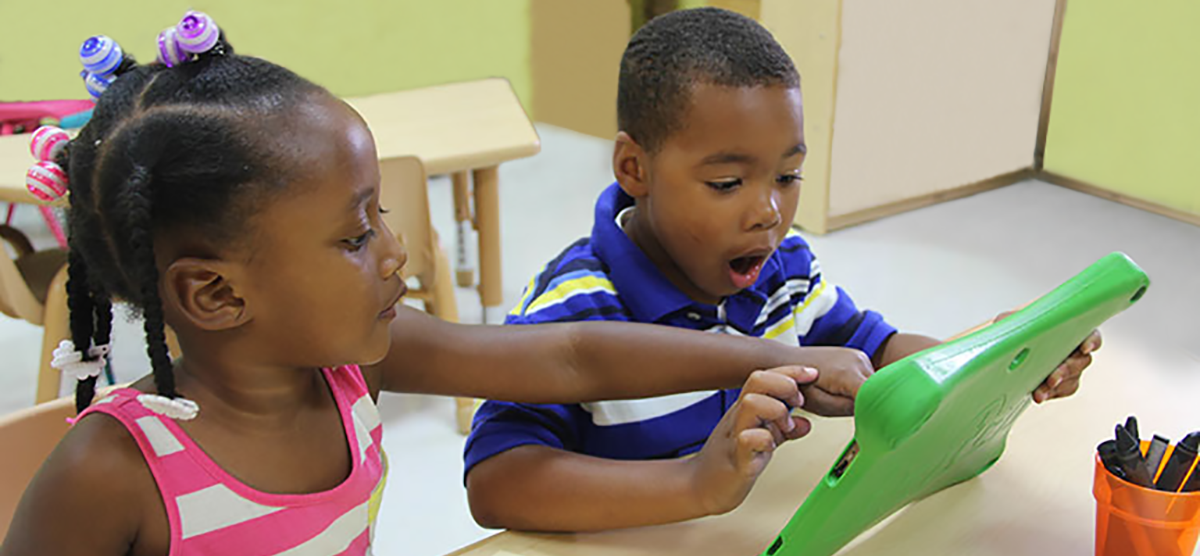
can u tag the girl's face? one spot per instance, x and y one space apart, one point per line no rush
322 269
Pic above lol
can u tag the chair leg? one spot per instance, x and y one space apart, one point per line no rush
462 216
445 307
465 412
55 227
55 328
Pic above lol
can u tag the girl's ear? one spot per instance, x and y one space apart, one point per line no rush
205 293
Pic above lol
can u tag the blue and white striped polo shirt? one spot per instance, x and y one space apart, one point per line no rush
607 277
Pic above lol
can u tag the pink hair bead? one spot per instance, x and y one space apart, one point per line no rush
170 53
47 142
197 32
46 181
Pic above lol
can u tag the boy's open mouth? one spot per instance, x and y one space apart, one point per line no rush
744 270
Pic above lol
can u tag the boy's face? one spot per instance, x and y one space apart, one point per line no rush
720 194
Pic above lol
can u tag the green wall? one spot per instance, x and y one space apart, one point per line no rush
1125 114
352 47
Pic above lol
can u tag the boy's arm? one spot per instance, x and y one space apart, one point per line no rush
542 488
539 488
1063 382
575 362
901 345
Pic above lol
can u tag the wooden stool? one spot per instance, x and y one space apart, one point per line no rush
33 288
404 192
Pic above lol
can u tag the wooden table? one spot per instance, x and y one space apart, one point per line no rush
1036 500
461 129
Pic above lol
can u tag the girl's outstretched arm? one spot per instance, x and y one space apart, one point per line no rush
574 362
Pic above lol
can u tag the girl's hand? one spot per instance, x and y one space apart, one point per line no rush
740 446
842 372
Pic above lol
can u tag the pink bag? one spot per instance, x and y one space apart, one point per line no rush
24 117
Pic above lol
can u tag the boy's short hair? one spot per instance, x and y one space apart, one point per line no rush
674 51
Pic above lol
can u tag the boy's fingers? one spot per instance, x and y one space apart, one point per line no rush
751 443
1092 343
776 435
755 410
802 427
817 400
776 385
798 374
1067 388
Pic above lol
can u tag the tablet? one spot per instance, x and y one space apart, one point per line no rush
941 416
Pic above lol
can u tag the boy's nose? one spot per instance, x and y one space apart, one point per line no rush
765 213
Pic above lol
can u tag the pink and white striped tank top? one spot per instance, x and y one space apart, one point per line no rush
210 512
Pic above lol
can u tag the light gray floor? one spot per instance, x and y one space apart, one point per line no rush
937 270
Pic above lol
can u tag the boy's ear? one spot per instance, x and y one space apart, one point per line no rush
204 293
631 166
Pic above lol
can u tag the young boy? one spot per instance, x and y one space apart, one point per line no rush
695 234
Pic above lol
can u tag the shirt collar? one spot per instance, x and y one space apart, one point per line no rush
644 290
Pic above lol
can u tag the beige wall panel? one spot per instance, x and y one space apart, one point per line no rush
576 58
809 32
933 95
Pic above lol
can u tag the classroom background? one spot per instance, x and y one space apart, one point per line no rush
965 157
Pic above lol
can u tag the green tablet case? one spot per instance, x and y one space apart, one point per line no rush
942 416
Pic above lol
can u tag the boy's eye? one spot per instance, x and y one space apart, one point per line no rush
789 179
724 185
358 242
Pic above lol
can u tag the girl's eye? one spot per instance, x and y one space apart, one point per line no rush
726 185
358 242
789 179
383 210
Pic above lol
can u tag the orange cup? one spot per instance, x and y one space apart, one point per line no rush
1136 521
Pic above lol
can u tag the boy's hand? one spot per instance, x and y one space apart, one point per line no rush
1064 381
842 372
740 446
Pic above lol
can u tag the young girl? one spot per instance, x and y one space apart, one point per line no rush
238 203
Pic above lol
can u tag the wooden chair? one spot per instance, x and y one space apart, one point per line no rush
26 438
33 288
404 193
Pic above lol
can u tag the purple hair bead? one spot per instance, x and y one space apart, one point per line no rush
170 53
197 32
100 55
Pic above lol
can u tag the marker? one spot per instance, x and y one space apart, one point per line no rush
1108 456
1130 459
1131 425
1155 453
1178 465
1192 484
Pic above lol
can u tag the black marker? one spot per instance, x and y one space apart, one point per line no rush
1130 459
1192 484
1131 425
1155 453
1108 456
1179 463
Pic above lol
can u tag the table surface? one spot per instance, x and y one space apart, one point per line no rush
1036 500
453 127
